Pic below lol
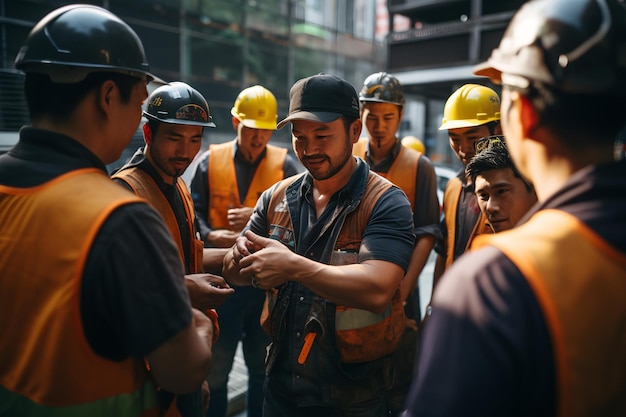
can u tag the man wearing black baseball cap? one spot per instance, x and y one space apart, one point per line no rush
330 246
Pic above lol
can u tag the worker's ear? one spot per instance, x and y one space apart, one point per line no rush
107 94
529 118
355 130
147 134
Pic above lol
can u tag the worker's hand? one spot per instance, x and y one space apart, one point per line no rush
222 238
238 217
267 265
207 291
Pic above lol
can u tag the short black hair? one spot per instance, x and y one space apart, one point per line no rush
493 157
578 119
347 122
59 100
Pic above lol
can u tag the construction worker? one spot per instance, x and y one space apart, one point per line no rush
92 287
226 185
503 194
413 142
470 113
330 246
531 321
382 106
176 117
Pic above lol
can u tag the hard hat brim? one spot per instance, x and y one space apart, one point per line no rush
485 69
255 124
457 124
177 121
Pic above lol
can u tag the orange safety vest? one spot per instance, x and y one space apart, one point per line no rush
361 335
403 170
144 186
222 180
47 365
451 198
580 284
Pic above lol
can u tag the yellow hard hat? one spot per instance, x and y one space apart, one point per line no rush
255 107
471 105
414 143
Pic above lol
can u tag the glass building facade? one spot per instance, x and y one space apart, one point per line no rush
220 46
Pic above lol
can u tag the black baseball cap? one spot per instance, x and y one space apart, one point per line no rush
321 98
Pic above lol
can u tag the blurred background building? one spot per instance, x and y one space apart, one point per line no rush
432 47
218 46
223 46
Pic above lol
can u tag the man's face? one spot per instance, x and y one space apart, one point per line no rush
462 140
381 122
172 148
503 197
251 142
324 148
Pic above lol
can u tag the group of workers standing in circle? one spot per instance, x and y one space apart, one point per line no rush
127 293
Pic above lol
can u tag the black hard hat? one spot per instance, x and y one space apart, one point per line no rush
383 88
178 103
74 40
575 46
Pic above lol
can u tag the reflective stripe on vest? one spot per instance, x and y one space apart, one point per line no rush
130 404
352 318
222 180
579 281
144 186
48 366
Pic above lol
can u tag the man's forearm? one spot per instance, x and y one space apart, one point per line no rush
213 260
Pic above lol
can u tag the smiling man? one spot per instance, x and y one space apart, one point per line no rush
503 195
331 247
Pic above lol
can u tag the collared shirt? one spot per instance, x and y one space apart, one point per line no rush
132 256
492 355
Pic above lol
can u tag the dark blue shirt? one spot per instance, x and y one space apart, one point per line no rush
490 354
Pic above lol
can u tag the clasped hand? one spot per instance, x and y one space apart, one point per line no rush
264 260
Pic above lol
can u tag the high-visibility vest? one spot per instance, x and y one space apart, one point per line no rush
403 170
579 281
361 334
144 186
222 180
47 366
451 199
